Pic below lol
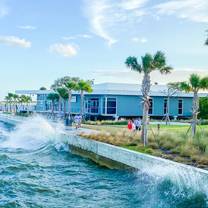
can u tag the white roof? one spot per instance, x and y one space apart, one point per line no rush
119 89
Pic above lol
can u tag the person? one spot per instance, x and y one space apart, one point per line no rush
79 121
76 120
129 125
138 124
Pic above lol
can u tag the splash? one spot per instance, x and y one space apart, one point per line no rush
185 181
32 134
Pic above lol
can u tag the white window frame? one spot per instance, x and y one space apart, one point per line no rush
106 106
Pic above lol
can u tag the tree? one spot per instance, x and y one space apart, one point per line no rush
169 92
71 85
84 86
16 101
53 97
43 88
194 84
59 83
9 100
63 95
203 108
149 64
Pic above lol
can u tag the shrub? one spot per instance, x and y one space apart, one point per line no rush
203 108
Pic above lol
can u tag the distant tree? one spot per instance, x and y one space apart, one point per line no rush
15 101
53 97
149 64
84 86
63 96
194 84
71 84
203 108
43 88
8 100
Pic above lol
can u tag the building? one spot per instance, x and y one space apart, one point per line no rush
121 100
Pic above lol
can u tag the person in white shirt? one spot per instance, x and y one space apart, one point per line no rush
138 124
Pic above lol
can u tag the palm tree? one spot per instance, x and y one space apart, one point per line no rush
63 95
71 85
15 100
149 64
53 97
59 83
84 86
194 84
9 99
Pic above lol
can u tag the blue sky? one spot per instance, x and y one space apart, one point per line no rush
41 40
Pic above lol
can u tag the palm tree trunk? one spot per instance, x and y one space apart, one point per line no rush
82 103
146 105
59 104
52 108
69 104
195 113
64 102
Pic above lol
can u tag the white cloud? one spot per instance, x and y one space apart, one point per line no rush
85 36
139 40
4 10
194 10
66 50
105 16
27 27
15 41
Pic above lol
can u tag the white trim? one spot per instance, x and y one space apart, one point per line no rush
106 106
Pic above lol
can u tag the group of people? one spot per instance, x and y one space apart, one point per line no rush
135 124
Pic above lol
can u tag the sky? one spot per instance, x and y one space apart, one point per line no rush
42 40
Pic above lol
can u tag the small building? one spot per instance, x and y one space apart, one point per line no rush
121 100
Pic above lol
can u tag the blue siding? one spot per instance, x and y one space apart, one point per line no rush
126 105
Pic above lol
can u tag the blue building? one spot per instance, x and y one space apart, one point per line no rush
121 100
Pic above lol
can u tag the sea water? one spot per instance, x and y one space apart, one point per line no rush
38 170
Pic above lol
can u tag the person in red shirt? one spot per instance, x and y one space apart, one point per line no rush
130 125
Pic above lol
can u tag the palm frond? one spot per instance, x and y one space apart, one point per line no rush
166 70
159 60
195 81
147 63
132 63
185 86
204 83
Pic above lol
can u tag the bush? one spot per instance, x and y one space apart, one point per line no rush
203 108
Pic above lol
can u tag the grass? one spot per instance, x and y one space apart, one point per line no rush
170 142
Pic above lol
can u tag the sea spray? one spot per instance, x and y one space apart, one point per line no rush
32 134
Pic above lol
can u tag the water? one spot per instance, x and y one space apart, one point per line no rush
37 170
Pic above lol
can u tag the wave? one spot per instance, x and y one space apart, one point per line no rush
33 134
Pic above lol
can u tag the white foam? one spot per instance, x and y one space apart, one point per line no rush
32 134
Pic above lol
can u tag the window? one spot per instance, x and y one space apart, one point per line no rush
150 106
180 107
165 106
111 106
93 105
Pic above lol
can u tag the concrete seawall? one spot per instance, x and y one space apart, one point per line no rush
133 159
